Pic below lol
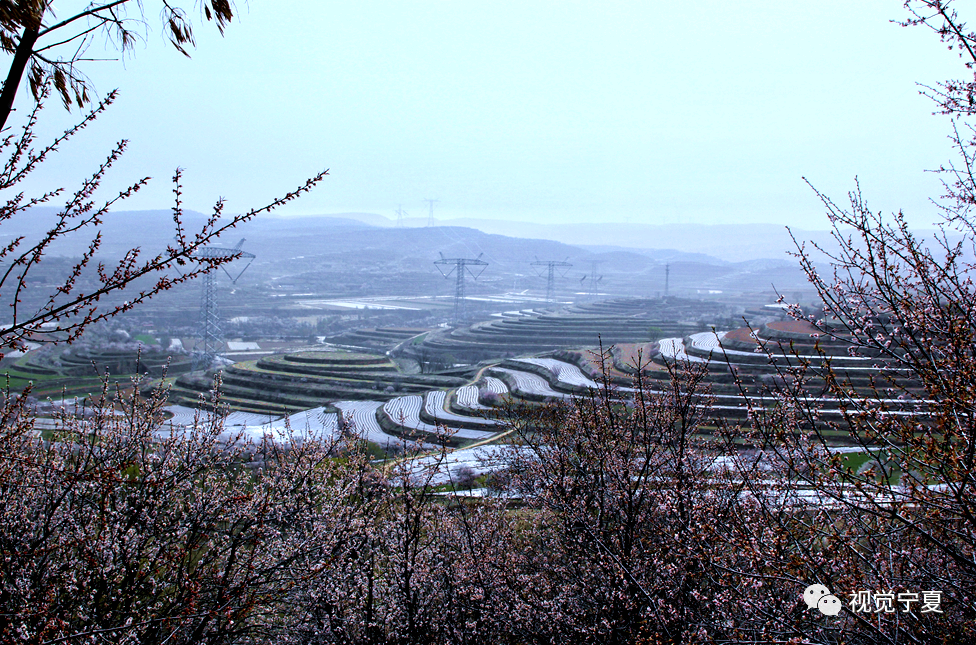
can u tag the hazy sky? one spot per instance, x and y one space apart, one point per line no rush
642 111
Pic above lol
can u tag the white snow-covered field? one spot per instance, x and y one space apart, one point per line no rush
362 414
467 397
184 416
405 412
495 385
712 341
434 406
709 341
444 468
674 349
531 384
564 372
349 304
315 423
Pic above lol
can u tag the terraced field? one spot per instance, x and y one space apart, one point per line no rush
495 385
376 339
526 385
58 371
673 349
528 332
721 344
439 469
423 420
90 362
467 398
788 341
294 382
402 416
185 416
434 412
364 424
564 372
318 423
387 406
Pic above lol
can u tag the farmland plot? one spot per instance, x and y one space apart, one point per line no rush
446 468
564 372
467 397
434 407
674 349
530 385
315 423
184 416
404 411
495 385
362 414
708 340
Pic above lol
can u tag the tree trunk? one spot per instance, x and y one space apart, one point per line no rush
25 48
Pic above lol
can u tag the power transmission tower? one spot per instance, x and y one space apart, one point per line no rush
210 333
460 266
667 279
430 216
551 275
400 213
594 279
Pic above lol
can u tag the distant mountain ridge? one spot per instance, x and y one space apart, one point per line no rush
727 242
715 243
341 248
153 230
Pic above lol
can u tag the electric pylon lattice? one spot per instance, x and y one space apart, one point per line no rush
211 336
400 213
552 266
594 286
460 266
430 215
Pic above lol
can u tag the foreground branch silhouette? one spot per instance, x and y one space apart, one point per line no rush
51 48
71 308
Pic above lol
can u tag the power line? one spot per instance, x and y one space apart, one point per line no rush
448 232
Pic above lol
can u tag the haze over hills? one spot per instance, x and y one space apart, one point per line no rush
705 243
153 229
729 242
315 254
666 242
